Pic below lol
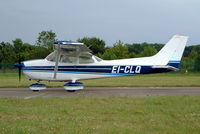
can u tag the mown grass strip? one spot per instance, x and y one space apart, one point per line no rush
153 80
143 115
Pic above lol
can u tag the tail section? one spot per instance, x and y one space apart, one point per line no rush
172 52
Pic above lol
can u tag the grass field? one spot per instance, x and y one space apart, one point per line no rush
153 80
115 115
142 115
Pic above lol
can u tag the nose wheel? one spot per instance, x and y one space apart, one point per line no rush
73 86
37 87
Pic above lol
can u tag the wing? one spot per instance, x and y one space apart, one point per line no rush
71 46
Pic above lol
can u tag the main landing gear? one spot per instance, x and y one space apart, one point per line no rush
70 87
73 86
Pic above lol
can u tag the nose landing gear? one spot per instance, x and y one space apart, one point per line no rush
37 87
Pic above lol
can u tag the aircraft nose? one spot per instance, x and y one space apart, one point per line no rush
19 64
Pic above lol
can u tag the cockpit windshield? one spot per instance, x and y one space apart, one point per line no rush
51 56
73 57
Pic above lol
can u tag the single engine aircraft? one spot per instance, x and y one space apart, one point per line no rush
73 61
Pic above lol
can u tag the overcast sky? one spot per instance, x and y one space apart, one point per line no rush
131 21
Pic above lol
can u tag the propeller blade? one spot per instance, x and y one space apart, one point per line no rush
19 70
19 66
19 73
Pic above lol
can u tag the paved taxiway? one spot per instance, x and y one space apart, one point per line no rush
101 92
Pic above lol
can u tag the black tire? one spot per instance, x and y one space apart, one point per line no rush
71 90
35 90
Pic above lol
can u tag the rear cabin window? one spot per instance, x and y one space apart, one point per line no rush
85 59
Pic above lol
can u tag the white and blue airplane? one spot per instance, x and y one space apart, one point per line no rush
73 61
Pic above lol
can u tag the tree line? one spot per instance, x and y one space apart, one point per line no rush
17 50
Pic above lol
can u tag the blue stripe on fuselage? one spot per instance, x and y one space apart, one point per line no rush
104 70
174 63
45 71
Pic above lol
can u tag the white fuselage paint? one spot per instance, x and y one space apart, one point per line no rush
73 76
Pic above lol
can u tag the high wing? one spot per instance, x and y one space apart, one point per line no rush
67 46
71 46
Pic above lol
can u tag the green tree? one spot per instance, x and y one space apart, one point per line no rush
39 52
188 50
193 54
7 54
46 39
118 51
97 45
197 63
148 51
23 51
158 47
18 49
109 54
132 55
135 48
187 64
196 57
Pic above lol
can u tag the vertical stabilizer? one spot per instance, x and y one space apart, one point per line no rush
172 52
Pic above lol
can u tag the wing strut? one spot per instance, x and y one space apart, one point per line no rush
57 60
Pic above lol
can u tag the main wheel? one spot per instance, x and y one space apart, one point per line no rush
73 86
35 90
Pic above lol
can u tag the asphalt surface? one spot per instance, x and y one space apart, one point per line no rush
101 92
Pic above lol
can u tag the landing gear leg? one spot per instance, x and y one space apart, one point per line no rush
37 86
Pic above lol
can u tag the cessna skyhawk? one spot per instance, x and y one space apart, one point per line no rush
73 61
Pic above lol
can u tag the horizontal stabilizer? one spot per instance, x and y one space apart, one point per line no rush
166 67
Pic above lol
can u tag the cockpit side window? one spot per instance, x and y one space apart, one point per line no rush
68 59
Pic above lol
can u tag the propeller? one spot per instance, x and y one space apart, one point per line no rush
19 65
